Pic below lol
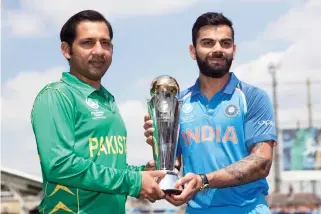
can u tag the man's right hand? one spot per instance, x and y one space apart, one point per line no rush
148 129
150 189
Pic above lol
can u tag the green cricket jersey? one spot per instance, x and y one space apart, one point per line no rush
81 141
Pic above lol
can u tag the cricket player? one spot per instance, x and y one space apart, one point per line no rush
227 130
80 134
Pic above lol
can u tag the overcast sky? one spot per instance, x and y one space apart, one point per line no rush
151 38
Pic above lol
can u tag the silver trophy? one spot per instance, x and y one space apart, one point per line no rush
163 108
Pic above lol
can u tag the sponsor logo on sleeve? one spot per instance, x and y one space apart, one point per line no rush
266 123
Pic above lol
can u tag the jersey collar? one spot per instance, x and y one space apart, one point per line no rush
83 87
227 89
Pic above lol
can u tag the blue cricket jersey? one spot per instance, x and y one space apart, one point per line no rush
218 132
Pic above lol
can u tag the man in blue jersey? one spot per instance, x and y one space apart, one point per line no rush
227 130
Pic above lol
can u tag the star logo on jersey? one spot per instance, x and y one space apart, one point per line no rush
61 187
92 103
231 110
61 206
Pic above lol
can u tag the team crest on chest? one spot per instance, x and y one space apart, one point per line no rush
92 103
187 113
231 110
187 108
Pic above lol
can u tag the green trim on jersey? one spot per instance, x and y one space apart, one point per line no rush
81 141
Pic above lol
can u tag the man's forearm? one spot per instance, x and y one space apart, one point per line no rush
247 170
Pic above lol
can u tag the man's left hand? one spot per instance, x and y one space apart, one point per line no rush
192 183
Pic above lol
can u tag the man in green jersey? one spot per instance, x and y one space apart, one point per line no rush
80 134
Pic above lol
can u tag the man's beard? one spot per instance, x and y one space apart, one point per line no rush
212 70
90 72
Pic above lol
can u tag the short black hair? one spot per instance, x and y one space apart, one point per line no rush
210 18
68 31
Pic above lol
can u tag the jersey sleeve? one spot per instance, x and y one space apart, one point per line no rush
260 121
53 125
135 168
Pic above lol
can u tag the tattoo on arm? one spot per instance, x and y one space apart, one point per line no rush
257 147
250 168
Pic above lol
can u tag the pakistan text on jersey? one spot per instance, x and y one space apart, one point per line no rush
208 133
107 145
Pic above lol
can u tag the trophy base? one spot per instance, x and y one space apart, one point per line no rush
167 184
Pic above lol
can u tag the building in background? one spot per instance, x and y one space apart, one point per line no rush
20 192
292 203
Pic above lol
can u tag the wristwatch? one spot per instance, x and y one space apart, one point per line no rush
205 183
